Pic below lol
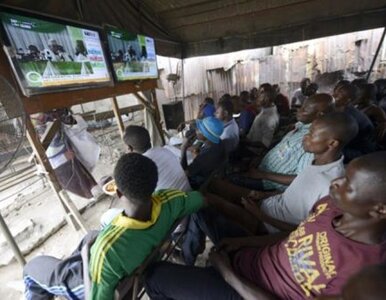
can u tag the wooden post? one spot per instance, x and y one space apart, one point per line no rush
72 216
157 115
117 115
11 241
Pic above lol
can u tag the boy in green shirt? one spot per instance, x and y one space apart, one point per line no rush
123 244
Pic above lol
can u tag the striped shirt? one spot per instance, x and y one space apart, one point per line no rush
288 157
125 243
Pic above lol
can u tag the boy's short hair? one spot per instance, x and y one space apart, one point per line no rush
138 138
136 176
342 126
350 90
226 105
209 100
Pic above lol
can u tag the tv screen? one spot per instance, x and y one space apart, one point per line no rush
133 56
49 56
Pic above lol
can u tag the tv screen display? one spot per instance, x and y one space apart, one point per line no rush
133 56
49 56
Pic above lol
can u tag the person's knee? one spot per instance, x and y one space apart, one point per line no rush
154 278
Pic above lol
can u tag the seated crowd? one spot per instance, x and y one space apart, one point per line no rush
290 193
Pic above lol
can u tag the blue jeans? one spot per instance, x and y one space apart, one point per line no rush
208 222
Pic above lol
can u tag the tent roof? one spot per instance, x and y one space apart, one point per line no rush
203 27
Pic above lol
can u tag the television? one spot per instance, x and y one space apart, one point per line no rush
133 56
52 55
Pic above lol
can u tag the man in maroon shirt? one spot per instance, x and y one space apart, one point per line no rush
343 233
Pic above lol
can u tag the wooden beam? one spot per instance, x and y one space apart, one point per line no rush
118 116
49 134
72 216
157 115
110 114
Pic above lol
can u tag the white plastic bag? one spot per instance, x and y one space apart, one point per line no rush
84 145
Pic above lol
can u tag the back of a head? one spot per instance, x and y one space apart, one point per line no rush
226 105
340 83
350 90
209 100
358 82
367 91
381 88
138 138
136 177
340 126
368 284
374 164
225 97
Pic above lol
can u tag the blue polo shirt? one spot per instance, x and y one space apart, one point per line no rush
288 157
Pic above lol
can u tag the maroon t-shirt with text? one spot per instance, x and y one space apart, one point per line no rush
315 259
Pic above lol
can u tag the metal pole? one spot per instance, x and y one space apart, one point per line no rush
376 54
7 234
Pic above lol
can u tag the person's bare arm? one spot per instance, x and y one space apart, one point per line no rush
276 177
220 260
254 208
233 244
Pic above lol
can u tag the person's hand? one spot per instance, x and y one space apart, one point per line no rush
181 127
221 261
256 173
188 142
69 154
256 195
252 207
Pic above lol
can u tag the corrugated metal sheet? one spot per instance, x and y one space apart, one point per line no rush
234 72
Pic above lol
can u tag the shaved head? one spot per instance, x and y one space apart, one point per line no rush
374 165
340 126
323 102
314 107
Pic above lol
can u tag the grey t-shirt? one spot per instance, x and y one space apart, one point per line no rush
294 205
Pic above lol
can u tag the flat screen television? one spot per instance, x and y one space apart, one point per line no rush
133 56
49 55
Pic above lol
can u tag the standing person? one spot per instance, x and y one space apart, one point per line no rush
170 172
122 245
344 233
230 135
300 94
345 95
72 157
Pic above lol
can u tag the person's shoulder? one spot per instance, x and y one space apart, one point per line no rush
165 195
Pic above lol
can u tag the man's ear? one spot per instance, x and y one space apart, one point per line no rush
130 148
378 211
334 143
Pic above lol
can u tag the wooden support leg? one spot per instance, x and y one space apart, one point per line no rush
11 241
73 216
118 116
